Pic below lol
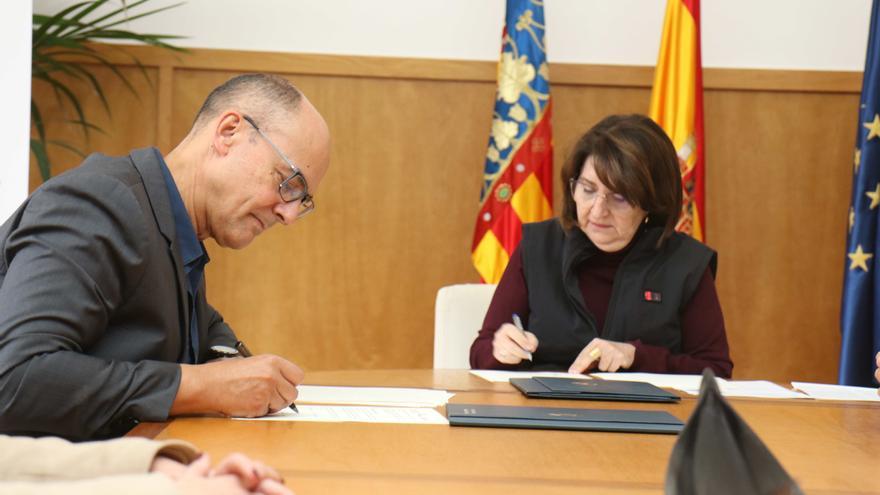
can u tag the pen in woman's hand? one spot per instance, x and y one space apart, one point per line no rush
518 323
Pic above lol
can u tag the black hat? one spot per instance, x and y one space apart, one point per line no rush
717 453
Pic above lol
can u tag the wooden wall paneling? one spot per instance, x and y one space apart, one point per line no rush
131 124
164 108
478 71
353 285
577 108
778 184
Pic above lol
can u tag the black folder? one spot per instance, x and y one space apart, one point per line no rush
586 389
563 418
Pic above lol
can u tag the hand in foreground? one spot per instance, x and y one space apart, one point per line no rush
510 345
235 475
610 356
249 387
877 371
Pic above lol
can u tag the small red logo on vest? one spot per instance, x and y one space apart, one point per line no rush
652 296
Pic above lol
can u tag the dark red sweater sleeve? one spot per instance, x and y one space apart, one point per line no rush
510 297
703 339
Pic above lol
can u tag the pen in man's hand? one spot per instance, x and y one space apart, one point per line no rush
243 351
518 323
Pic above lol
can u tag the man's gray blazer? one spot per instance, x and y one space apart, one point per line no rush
93 303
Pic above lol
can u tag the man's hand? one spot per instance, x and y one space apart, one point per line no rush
611 356
247 387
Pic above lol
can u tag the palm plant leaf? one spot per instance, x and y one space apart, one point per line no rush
38 148
50 64
68 147
47 24
37 120
127 18
60 46
61 89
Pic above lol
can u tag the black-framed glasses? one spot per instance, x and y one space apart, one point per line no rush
294 187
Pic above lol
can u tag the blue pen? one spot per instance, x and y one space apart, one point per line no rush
518 323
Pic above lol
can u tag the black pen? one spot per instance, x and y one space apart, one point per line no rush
518 323
243 351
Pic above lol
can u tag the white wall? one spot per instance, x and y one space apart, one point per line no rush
781 34
15 97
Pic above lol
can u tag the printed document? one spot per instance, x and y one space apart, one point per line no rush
758 388
686 383
373 396
837 392
499 376
358 414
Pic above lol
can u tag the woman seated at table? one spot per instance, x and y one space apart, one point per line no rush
610 285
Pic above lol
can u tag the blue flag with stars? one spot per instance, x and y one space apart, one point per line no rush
860 311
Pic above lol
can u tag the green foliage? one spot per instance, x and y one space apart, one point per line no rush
60 46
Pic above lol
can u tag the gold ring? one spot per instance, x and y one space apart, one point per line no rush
595 353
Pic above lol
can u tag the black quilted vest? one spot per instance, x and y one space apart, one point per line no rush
651 289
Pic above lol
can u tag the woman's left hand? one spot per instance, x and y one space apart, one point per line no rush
611 356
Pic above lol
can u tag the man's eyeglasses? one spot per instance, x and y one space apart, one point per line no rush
294 187
586 193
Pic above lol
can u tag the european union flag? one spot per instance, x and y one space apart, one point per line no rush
859 318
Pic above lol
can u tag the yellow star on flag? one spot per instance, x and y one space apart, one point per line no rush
859 259
875 196
852 218
857 158
873 127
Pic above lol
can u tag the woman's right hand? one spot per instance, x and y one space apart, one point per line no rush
510 345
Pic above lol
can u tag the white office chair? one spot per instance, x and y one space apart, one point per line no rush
458 315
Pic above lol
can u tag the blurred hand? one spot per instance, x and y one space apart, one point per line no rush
604 354
510 345
246 387
877 371
249 472
235 475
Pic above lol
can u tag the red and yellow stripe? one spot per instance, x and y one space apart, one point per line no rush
677 106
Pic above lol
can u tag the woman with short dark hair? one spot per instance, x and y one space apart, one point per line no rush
610 284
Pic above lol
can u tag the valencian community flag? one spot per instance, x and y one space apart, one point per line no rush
517 176
677 106
860 311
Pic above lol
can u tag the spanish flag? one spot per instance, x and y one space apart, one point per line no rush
518 172
677 106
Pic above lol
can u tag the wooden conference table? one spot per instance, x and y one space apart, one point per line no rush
828 447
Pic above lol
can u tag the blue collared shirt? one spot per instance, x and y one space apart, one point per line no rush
193 254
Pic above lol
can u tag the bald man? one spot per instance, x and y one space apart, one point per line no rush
103 316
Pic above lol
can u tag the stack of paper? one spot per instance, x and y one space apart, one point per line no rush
686 383
837 392
373 396
758 388
497 376
358 414
689 384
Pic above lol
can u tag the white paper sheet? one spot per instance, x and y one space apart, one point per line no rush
837 392
758 388
499 376
690 384
358 414
372 396
685 383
